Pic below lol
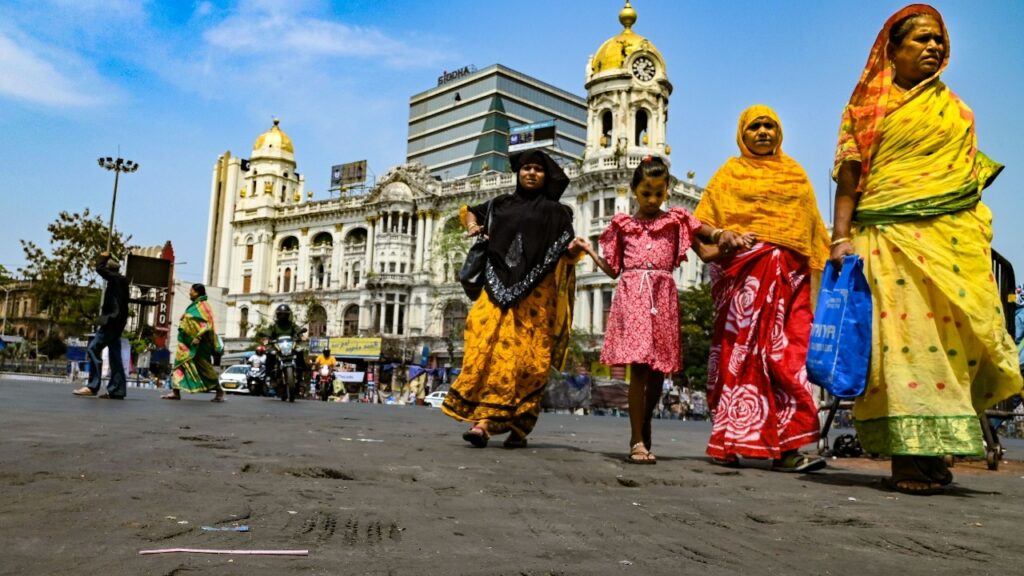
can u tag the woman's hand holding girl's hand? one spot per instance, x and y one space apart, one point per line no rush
729 241
577 245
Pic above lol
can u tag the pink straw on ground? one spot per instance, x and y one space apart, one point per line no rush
211 551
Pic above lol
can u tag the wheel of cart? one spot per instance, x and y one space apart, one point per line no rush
828 407
1003 272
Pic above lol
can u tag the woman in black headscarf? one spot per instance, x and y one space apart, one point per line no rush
519 327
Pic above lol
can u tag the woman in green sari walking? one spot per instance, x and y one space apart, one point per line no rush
198 342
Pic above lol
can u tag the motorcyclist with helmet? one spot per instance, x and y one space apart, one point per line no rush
325 381
284 326
257 376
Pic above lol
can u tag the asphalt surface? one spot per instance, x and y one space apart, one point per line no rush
86 484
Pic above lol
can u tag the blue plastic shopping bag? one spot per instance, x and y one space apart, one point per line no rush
840 349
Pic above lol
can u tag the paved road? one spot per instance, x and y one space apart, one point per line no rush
85 484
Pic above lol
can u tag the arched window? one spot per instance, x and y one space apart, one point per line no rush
289 244
248 248
320 276
356 267
350 322
317 322
287 280
355 238
454 320
453 225
323 239
606 129
243 323
640 130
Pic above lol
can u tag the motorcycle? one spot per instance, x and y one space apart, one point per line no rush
325 383
256 379
288 366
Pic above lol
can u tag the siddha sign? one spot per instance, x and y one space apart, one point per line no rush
447 76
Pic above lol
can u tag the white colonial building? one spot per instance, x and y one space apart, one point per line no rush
385 263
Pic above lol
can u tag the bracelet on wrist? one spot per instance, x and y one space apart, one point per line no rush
716 235
839 241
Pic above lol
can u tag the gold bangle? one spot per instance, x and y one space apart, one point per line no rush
839 241
716 235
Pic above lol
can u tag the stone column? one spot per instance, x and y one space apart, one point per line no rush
428 229
370 242
598 318
417 262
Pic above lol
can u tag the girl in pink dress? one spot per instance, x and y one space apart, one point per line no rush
643 324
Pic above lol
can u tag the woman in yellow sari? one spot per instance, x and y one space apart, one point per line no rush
908 202
519 326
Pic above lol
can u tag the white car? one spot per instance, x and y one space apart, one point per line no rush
234 379
435 399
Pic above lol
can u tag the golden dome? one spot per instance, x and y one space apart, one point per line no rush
614 52
274 138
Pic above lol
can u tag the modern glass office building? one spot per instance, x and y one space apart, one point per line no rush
461 127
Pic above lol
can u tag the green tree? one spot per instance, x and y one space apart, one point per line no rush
584 348
451 243
64 280
696 323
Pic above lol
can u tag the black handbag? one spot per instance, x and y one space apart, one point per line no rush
471 276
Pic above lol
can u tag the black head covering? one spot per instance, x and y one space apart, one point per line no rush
529 231
555 180
200 289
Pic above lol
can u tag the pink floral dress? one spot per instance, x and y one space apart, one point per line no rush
643 324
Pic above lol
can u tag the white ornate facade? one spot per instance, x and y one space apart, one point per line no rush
383 263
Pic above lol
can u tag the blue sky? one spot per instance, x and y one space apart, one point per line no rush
174 84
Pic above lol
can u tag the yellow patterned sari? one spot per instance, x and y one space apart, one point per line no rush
940 352
509 354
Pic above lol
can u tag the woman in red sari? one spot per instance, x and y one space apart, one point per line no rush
757 383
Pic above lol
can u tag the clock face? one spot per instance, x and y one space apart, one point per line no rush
643 68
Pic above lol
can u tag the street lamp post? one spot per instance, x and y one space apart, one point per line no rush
118 165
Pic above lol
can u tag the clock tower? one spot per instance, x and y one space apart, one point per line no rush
627 96
627 112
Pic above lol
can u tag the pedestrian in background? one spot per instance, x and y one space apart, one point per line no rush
109 326
198 343
643 324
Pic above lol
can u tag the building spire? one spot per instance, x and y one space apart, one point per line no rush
627 17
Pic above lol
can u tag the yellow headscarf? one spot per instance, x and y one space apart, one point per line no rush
768 195
873 97
928 162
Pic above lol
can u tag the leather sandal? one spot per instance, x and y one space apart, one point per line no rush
476 436
83 391
914 486
638 454
795 462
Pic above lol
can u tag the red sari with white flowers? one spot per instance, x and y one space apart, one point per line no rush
757 383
